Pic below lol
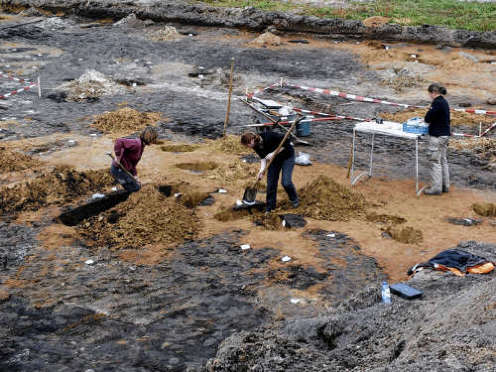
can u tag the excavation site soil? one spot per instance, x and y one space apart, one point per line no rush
175 277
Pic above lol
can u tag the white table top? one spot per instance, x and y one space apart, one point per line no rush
388 128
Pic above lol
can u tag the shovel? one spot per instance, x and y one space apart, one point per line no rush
120 165
250 193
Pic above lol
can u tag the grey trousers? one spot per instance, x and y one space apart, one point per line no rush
438 147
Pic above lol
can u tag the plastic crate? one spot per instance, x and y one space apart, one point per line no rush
417 129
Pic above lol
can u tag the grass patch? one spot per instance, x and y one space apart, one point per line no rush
449 13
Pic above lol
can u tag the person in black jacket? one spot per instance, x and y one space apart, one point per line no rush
264 145
438 118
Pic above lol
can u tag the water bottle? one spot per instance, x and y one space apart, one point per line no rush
386 293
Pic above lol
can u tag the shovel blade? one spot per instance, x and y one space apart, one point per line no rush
250 195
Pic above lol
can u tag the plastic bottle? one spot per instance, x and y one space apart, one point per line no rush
386 293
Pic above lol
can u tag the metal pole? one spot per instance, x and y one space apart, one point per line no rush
352 155
226 121
416 166
371 154
39 87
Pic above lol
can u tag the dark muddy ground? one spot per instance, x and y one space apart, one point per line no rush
64 314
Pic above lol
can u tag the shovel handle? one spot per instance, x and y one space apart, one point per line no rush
120 165
278 148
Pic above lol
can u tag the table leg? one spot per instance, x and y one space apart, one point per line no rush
371 154
352 156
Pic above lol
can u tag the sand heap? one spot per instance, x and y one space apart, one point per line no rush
146 217
228 145
235 171
483 147
125 121
485 209
13 161
179 148
266 39
407 235
325 199
90 86
457 117
61 185
166 33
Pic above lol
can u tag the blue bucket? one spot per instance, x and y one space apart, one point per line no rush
303 129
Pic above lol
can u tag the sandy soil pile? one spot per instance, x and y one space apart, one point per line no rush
125 120
266 39
228 145
325 199
457 117
167 33
91 85
147 217
485 209
407 234
62 184
13 161
235 171
484 147
178 148
384 218
270 221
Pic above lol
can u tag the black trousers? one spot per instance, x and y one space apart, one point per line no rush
286 166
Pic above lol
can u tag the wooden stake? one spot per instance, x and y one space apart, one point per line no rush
39 87
226 121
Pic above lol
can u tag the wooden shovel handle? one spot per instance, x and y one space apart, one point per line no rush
278 148
120 165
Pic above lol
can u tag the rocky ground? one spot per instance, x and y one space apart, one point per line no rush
67 301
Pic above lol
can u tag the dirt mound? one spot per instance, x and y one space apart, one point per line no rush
198 167
325 199
270 221
146 217
484 147
90 86
13 161
375 21
407 235
179 148
266 39
228 145
126 120
235 171
385 219
485 209
62 184
457 117
167 33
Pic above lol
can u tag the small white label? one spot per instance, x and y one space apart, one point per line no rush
286 259
177 194
222 191
245 247
89 262
331 235
295 300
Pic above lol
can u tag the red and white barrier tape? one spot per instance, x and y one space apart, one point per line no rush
268 124
5 96
10 77
355 97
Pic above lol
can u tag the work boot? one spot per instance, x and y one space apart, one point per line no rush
431 191
295 203
445 189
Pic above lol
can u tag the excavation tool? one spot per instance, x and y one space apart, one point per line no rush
226 121
276 122
250 193
120 165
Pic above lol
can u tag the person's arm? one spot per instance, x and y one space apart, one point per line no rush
433 111
119 149
263 164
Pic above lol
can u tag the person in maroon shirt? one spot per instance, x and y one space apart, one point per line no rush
128 153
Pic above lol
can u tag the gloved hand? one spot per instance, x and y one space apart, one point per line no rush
269 156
